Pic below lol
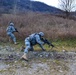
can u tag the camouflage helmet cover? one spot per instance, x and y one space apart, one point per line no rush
41 33
12 24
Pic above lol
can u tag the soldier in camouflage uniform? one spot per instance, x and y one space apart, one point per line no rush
10 32
32 40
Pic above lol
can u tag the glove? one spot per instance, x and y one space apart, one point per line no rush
43 50
52 45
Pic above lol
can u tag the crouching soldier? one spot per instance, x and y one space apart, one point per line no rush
32 40
10 32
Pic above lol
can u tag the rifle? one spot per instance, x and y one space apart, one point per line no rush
47 42
16 30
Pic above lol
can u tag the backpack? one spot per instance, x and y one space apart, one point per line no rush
9 29
32 37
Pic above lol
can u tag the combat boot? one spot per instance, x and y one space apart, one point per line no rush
16 43
24 57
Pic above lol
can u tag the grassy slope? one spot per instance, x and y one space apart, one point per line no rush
60 45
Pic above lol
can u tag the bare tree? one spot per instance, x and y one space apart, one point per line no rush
67 6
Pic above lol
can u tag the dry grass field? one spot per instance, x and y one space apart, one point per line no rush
54 27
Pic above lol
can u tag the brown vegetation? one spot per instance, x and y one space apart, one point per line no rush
54 27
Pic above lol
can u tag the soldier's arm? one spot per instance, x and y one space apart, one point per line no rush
13 28
38 40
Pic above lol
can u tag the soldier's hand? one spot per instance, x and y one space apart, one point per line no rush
22 48
44 49
52 45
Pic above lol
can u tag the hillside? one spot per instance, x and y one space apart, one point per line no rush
16 6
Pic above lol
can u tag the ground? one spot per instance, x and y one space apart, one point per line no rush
40 62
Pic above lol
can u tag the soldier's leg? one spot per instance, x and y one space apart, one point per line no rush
13 38
10 40
9 37
27 43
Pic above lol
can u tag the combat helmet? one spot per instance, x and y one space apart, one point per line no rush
12 24
41 34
